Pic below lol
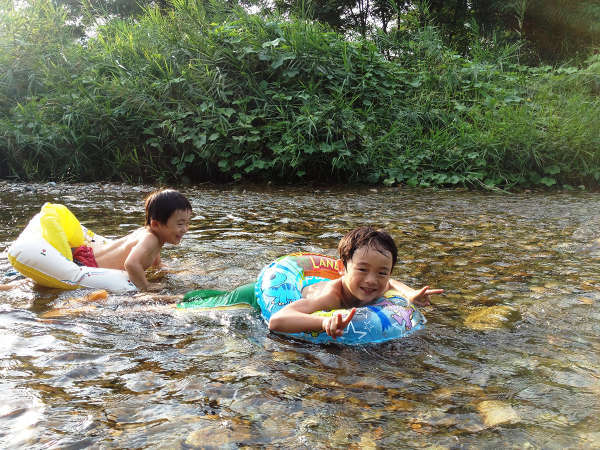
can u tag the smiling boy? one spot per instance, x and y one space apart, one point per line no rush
368 257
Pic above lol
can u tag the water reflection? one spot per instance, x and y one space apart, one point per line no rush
509 357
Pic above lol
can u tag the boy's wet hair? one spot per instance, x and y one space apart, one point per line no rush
369 237
161 204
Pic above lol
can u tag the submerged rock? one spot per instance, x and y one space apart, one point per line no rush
496 412
491 317
593 248
218 432
588 230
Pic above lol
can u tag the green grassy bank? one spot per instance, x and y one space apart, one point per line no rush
201 94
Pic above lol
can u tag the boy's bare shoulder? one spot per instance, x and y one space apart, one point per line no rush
327 290
140 237
146 241
316 289
140 233
144 234
130 238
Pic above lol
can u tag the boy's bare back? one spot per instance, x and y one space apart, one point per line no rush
115 254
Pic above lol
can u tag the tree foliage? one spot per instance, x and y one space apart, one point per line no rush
554 29
559 30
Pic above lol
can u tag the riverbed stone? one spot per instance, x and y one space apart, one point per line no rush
490 318
220 433
399 405
367 441
496 412
588 230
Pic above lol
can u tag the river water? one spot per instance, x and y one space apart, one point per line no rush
509 357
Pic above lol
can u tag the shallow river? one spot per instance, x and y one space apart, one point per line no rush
510 356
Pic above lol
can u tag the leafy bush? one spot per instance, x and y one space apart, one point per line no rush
207 93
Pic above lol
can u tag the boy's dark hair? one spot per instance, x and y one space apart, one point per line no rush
164 202
366 236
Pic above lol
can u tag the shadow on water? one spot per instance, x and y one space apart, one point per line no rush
509 357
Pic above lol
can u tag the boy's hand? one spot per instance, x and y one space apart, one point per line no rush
423 296
334 325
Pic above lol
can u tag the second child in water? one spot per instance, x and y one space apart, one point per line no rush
168 215
368 257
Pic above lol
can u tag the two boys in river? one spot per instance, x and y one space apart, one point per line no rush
367 258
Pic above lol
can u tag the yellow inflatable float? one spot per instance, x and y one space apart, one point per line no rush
43 252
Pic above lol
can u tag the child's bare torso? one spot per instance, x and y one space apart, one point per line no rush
114 254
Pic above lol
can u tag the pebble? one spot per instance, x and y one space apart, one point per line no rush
495 412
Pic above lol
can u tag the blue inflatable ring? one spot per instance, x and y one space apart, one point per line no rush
281 283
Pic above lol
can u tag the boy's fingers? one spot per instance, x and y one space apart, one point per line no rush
422 291
435 291
335 325
330 324
349 316
342 322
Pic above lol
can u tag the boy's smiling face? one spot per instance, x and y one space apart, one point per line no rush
366 275
177 225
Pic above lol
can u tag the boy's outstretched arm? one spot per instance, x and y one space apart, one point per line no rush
421 297
296 317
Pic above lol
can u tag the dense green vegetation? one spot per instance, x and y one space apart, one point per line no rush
202 93
552 30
